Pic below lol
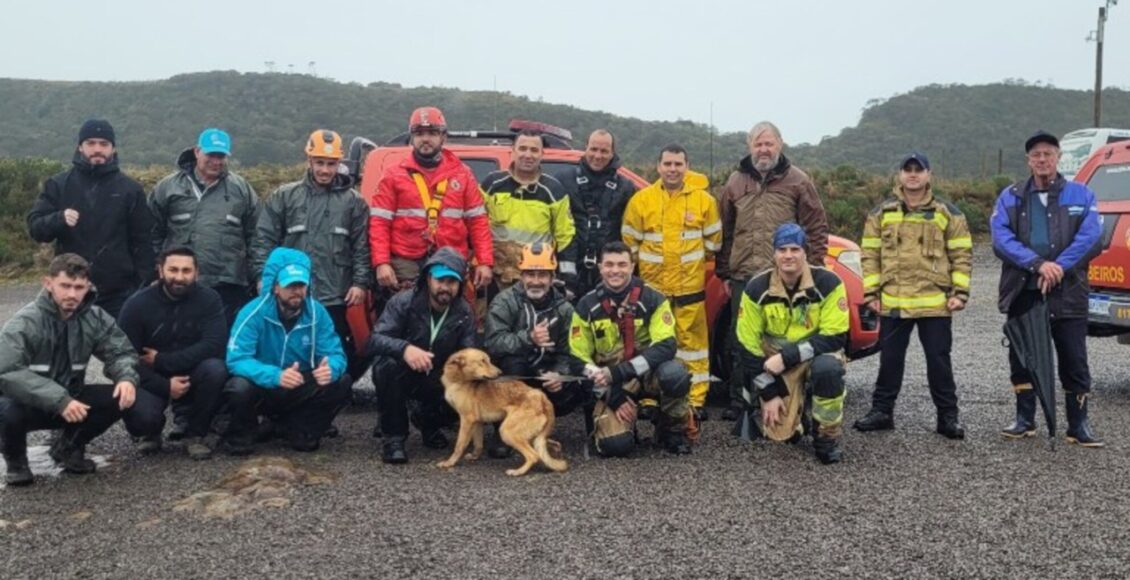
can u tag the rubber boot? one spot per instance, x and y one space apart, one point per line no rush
826 443
676 443
19 473
1078 428
71 456
1025 423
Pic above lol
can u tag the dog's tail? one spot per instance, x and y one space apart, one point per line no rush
541 440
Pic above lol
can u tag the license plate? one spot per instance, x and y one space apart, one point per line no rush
1099 305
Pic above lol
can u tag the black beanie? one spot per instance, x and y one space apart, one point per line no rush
96 129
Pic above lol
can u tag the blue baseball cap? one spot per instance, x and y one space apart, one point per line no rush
439 271
789 234
293 274
214 141
915 157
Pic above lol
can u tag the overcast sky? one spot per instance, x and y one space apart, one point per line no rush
810 66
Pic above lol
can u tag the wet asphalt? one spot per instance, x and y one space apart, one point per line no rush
906 503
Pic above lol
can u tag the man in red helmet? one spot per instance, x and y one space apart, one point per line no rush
427 201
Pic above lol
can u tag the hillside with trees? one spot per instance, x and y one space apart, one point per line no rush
962 128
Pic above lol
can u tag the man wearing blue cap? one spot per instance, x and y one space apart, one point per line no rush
96 211
285 359
204 206
917 260
417 331
792 326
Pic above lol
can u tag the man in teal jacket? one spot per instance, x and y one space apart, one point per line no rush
285 359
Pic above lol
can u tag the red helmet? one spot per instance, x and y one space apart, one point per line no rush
427 118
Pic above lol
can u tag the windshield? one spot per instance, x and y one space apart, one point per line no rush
1073 153
1111 182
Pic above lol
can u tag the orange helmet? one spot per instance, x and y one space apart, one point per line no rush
427 118
325 143
538 256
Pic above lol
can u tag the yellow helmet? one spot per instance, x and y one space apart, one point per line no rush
538 256
325 143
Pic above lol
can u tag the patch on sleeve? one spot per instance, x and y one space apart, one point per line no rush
842 303
576 331
667 318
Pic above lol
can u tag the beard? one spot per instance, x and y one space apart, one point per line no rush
176 289
764 164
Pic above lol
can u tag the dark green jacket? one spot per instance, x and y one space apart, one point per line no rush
332 227
43 357
511 317
219 225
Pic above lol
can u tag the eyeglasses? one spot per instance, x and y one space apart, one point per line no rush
1042 154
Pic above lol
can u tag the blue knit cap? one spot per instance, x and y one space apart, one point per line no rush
788 234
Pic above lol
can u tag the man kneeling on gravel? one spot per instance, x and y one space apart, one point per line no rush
286 360
44 349
792 325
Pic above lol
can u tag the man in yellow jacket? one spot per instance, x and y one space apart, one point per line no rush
673 228
917 259
792 326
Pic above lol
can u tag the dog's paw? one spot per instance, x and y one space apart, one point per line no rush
472 457
514 472
445 464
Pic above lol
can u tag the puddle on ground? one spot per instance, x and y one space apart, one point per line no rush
41 463
263 482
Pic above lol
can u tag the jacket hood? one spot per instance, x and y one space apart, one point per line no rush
612 167
447 256
83 166
341 182
781 168
280 258
447 159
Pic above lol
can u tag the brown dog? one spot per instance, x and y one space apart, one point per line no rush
525 412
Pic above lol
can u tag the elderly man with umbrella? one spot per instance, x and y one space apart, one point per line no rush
1045 231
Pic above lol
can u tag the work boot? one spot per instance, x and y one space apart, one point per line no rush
303 442
1078 428
197 448
238 446
733 412
71 457
19 472
393 451
949 426
676 443
180 428
496 449
1025 423
149 444
332 432
700 414
826 443
434 439
875 420
647 413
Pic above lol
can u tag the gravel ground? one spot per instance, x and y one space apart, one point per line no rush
904 503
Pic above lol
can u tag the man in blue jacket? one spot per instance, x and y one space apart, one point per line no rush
1045 231
285 359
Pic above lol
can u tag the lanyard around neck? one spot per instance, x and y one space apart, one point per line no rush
436 324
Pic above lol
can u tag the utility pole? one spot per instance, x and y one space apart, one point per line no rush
1098 37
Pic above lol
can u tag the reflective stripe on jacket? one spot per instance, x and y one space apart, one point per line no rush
914 260
672 236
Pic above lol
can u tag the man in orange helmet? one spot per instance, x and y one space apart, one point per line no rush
427 201
323 216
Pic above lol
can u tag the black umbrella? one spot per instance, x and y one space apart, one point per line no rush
1030 335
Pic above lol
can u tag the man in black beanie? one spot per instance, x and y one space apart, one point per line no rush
99 213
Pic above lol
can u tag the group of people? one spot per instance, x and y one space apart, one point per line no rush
233 311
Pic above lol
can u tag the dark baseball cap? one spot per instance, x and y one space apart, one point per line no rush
1041 137
916 157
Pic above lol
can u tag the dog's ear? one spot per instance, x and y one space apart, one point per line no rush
458 359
